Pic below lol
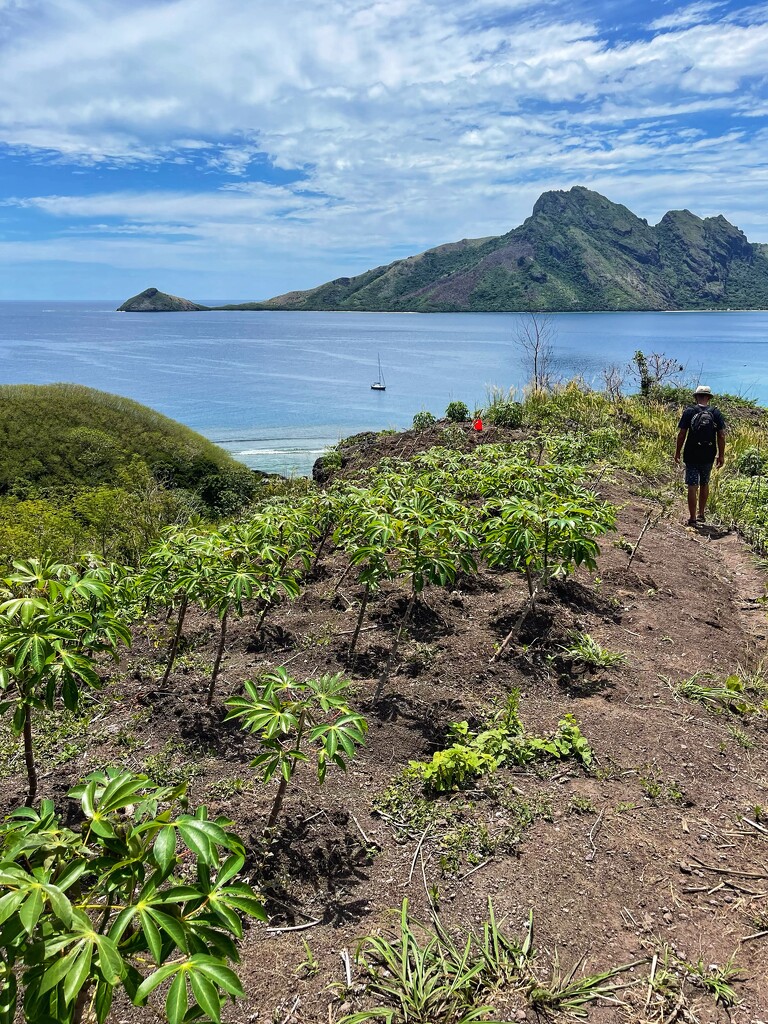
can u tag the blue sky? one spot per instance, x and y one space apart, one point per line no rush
233 149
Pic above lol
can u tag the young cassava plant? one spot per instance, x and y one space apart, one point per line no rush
298 721
144 894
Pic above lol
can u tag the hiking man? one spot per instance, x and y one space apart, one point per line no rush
702 430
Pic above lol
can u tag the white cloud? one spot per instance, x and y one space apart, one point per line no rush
409 121
692 14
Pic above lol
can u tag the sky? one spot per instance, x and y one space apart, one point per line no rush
238 149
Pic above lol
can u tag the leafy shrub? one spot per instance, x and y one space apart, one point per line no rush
457 412
453 768
92 910
423 420
752 462
502 740
505 414
298 720
453 436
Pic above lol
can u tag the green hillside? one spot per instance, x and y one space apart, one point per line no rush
82 470
577 251
53 435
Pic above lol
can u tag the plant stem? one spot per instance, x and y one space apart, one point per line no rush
79 1009
529 579
360 618
175 641
320 546
29 756
219 655
273 814
263 615
384 677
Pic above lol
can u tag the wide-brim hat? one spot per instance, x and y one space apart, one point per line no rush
702 389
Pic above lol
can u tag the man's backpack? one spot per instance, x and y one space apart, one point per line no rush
703 428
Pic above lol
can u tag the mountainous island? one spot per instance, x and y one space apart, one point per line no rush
153 301
578 251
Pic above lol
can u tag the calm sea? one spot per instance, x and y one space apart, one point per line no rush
275 389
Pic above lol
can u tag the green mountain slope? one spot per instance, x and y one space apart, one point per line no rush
57 435
577 251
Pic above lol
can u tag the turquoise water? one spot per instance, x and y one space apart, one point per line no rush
275 389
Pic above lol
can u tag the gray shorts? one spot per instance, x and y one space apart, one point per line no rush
698 475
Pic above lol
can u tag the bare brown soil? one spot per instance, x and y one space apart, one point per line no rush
649 848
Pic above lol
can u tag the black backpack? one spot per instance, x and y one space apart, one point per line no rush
703 428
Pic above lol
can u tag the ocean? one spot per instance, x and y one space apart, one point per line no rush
276 389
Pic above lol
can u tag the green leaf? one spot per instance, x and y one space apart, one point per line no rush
19 716
151 983
8 994
103 1001
121 922
60 905
102 828
219 973
152 935
59 969
172 926
178 894
165 848
78 974
110 962
30 912
70 874
206 994
229 868
10 902
201 836
176 1001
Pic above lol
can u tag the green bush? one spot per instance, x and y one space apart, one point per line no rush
505 414
141 893
752 462
457 412
423 420
453 437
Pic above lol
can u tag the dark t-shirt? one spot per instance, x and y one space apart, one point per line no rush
697 451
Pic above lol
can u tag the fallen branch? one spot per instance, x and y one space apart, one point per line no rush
754 935
591 855
360 830
649 522
729 871
473 870
416 854
295 927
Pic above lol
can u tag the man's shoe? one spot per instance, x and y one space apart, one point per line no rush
700 518
691 522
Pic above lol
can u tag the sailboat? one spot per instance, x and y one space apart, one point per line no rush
379 385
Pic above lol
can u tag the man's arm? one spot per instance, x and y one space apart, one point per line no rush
720 447
681 441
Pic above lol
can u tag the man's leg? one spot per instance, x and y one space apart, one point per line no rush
703 495
692 499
